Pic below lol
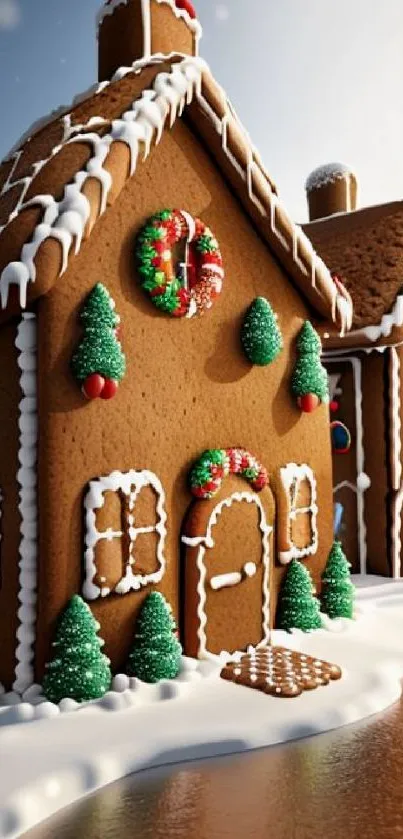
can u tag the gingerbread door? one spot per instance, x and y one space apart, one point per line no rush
350 482
226 569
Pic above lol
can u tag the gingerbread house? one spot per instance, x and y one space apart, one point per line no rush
95 496
365 248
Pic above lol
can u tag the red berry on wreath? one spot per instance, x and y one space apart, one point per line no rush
308 403
93 386
109 389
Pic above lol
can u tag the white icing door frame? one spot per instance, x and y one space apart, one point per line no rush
362 482
204 543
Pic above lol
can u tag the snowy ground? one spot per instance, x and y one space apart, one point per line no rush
48 763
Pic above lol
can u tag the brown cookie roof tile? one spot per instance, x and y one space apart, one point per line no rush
46 194
366 249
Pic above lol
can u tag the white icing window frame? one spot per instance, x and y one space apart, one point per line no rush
94 501
292 475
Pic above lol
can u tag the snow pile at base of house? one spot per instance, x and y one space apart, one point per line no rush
52 763
126 692
327 174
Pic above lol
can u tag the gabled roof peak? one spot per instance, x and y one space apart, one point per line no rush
120 127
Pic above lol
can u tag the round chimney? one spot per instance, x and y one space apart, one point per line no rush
130 30
331 189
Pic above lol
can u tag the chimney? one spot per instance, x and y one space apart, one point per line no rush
130 30
331 189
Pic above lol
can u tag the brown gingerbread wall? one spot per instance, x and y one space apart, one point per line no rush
376 443
188 386
10 396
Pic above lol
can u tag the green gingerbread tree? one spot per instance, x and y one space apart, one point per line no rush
261 337
298 607
99 363
79 669
338 590
309 380
156 652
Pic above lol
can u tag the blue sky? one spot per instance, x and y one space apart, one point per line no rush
313 80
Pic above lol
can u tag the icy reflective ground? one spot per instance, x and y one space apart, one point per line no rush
342 785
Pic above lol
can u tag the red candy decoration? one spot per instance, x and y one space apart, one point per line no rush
187 6
308 403
109 389
93 386
334 406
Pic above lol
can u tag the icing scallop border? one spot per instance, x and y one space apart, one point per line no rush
26 344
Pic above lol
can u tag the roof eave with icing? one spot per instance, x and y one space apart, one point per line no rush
186 80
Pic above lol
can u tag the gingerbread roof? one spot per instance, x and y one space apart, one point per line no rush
56 185
365 248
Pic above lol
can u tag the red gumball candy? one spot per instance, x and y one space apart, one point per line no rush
308 403
334 406
187 6
109 389
93 386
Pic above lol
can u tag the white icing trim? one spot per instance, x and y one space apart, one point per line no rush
234 577
292 475
396 419
387 323
224 580
363 482
144 124
26 344
334 389
130 484
146 21
201 559
397 509
396 459
65 220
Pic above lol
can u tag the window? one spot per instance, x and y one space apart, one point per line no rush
299 535
125 522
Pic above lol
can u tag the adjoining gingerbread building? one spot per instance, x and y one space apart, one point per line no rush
95 494
364 247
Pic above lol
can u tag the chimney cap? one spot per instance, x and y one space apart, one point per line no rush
327 174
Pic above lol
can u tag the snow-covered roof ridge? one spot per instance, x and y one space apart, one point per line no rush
326 174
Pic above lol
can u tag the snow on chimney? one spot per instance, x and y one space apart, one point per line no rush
331 189
129 30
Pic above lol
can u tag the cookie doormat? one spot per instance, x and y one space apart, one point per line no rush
280 672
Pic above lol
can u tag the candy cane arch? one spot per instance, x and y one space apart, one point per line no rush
214 465
193 289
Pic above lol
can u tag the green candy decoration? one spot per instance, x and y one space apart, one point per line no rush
261 337
338 591
78 670
309 376
156 652
100 350
298 607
